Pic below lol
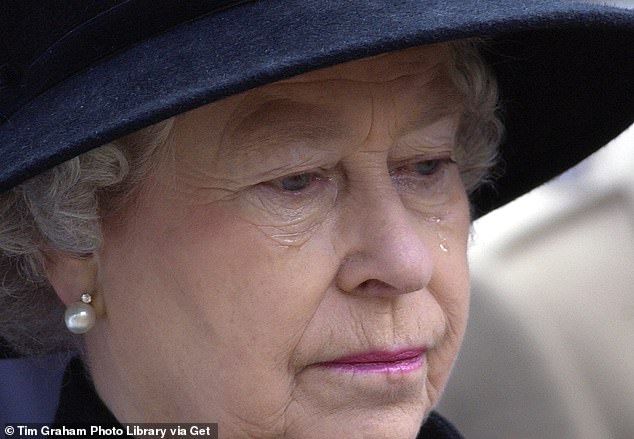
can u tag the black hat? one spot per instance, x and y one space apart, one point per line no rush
75 74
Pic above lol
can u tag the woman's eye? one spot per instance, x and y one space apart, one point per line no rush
425 173
427 167
294 183
305 183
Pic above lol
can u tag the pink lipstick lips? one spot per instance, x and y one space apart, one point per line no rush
402 361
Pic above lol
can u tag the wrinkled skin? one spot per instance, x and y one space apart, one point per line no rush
296 223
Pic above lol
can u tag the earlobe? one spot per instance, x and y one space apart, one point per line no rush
71 276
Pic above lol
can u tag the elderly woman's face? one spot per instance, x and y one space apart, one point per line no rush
296 265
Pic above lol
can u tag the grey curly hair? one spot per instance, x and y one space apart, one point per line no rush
60 210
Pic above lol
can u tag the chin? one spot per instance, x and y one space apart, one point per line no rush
358 423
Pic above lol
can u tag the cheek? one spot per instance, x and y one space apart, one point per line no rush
250 297
453 268
450 287
218 294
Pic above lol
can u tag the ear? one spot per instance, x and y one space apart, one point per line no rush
71 276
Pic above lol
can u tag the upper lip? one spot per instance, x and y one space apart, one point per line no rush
381 356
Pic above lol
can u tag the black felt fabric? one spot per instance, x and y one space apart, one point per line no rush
78 400
437 427
565 69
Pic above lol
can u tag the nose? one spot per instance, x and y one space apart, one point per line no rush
386 254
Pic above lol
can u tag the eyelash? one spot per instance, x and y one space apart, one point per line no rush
409 169
311 177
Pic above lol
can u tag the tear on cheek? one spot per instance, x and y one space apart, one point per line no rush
290 236
294 227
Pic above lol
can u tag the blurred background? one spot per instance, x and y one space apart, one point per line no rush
549 352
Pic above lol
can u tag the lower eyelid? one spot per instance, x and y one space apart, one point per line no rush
279 208
410 180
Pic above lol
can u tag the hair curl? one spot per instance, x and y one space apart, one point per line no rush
60 209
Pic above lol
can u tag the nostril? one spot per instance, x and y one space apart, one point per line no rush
373 284
376 287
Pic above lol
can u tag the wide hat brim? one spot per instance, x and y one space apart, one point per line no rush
565 73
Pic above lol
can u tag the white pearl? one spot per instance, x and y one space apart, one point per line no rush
79 317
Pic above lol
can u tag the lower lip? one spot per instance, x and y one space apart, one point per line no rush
404 365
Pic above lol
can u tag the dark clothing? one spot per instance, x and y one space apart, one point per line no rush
79 402
437 427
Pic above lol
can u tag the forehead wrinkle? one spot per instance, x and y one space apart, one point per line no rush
428 140
439 99
385 66
273 123
294 159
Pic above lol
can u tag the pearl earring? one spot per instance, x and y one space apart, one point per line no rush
80 316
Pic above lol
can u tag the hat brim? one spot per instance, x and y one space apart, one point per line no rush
564 71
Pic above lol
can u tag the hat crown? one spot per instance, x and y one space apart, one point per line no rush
45 41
